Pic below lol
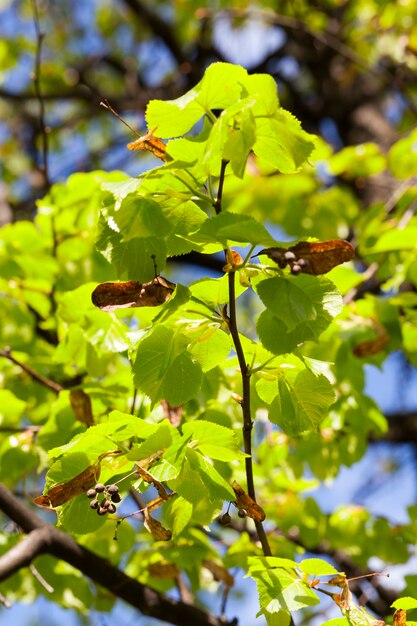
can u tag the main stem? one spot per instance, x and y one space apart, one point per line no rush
245 374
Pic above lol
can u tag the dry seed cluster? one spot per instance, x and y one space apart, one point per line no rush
104 498
289 258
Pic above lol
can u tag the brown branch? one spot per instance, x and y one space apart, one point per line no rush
46 382
36 77
44 538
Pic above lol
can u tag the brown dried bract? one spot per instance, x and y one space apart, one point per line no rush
150 143
245 502
148 478
320 257
219 572
164 570
155 528
62 493
124 295
400 617
172 413
81 405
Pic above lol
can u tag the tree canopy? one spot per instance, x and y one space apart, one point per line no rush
187 325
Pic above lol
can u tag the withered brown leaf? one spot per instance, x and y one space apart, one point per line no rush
148 478
150 143
320 256
81 405
245 502
124 295
62 493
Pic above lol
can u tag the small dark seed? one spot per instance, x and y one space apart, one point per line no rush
225 519
101 511
111 508
282 263
289 256
94 504
295 269
112 489
303 262
115 497
241 513
91 493
105 504
100 487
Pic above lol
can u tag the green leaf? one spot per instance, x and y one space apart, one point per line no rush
213 440
135 217
281 143
279 590
231 227
214 292
402 157
163 368
180 513
327 302
407 603
317 567
211 348
134 259
218 488
11 408
286 301
220 87
301 406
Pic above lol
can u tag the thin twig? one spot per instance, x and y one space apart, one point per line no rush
41 579
231 321
36 77
46 382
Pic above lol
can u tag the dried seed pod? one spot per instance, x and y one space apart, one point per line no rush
289 256
225 519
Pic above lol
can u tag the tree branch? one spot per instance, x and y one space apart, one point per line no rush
45 538
46 382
